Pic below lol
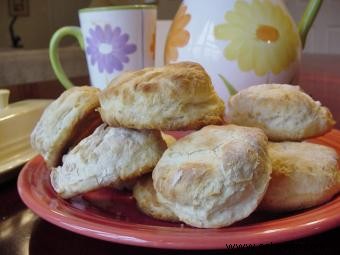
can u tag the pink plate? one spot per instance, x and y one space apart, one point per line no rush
113 216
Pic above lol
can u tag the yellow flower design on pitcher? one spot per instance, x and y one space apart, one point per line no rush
177 36
261 36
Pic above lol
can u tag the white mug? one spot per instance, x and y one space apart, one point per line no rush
115 39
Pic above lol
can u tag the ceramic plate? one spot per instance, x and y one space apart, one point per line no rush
113 216
17 121
9 166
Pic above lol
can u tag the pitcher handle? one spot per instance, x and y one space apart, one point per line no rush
308 18
54 54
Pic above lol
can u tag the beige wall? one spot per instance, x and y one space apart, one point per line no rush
324 36
166 8
46 16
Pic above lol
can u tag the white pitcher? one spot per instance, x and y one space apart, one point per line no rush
239 42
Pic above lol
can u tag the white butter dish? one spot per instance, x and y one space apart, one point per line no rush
17 121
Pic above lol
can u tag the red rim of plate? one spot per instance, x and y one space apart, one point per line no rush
62 214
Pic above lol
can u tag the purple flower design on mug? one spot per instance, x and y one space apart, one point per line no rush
109 48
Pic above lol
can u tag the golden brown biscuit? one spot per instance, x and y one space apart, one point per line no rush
283 111
147 201
304 175
174 97
215 176
109 157
71 117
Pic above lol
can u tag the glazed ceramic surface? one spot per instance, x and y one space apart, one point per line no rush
17 121
239 42
113 216
115 39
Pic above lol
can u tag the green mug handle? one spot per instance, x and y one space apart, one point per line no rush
308 18
54 53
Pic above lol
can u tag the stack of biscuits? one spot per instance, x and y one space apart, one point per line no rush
304 174
218 174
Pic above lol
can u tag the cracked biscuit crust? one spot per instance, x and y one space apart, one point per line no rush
68 119
174 97
147 200
109 157
215 176
284 112
304 175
